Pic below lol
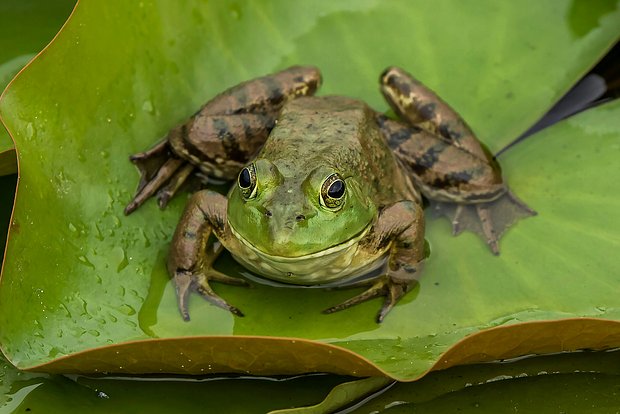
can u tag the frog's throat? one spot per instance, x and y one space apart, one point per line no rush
337 262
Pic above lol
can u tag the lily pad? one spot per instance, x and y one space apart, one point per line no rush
96 296
25 27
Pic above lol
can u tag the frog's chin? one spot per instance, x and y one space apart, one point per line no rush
337 262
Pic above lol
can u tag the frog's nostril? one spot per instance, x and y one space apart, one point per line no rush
268 213
300 217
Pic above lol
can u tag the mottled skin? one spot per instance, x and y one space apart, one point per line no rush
327 188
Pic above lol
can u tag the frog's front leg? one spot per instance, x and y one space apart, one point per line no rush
450 166
400 228
193 251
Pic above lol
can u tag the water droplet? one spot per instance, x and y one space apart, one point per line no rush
98 234
84 313
64 307
84 260
54 352
235 11
123 263
72 227
93 332
127 310
147 241
109 120
30 131
147 106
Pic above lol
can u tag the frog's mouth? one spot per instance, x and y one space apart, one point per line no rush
284 259
326 265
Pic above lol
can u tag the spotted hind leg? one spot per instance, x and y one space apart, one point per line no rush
450 166
220 138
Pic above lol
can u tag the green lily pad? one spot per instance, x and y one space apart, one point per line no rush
25 27
96 296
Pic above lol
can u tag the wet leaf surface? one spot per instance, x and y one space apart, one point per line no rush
98 278
25 28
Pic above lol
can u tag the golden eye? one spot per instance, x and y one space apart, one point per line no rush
247 182
332 192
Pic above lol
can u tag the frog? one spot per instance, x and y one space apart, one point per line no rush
325 188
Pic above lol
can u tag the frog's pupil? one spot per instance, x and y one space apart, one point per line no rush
244 178
336 189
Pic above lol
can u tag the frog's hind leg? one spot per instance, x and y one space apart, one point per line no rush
463 181
418 105
222 136
458 185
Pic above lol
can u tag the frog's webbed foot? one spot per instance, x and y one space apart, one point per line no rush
187 281
391 288
161 173
489 220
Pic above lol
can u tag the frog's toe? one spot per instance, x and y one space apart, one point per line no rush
488 227
489 220
176 181
206 292
186 281
161 173
154 183
183 282
384 286
374 291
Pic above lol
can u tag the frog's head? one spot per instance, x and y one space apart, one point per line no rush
298 215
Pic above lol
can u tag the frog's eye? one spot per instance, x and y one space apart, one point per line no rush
247 181
332 192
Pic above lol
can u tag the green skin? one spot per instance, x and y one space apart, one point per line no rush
284 219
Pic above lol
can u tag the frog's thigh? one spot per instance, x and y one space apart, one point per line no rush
441 170
417 104
266 94
221 144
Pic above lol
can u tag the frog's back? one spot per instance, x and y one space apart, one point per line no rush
340 133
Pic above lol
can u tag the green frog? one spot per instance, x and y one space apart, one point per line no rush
326 188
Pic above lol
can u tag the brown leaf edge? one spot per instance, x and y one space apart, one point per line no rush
8 161
257 355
